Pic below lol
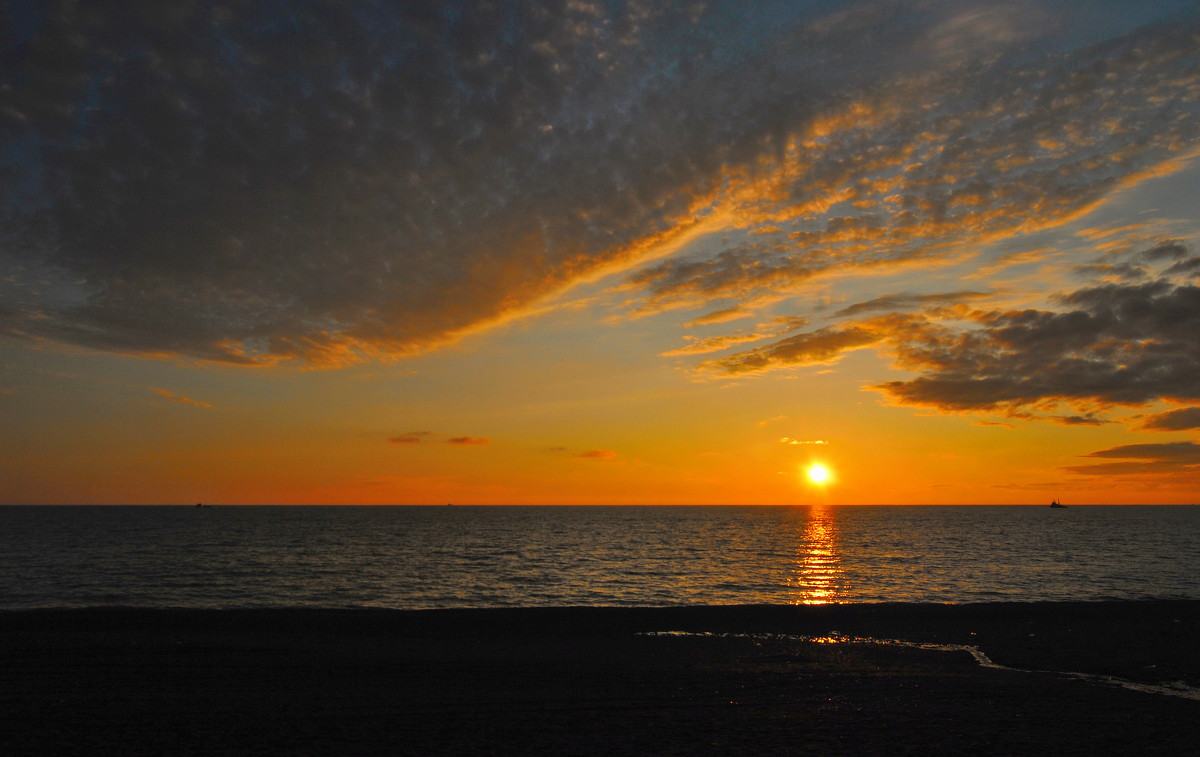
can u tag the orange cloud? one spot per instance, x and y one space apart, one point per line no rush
467 440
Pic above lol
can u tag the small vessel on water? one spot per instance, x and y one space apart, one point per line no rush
1056 503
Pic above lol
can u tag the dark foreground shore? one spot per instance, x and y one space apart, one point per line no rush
590 681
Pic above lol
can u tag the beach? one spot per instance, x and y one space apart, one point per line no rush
686 680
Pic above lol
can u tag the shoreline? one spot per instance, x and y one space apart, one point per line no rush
597 680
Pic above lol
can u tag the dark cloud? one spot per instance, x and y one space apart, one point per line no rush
1166 250
1176 457
1078 420
1114 344
317 183
1174 420
1188 268
1187 452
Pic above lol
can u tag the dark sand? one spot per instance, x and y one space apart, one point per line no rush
584 681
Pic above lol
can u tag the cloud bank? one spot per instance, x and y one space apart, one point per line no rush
316 184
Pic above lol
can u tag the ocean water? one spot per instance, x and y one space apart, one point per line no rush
435 557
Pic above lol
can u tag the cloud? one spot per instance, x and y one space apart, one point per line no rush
820 347
794 442
1008 261
1113 344
887 178
467 440
317 184
908 302
1174 420
598 454
1112 272
720 316
418 437
1189 267
412 437
1167 250
177 398
1077 420
1175 457
1180 451
701 345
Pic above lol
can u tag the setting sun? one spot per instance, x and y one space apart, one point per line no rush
818 474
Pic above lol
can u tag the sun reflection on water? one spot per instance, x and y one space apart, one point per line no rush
818 577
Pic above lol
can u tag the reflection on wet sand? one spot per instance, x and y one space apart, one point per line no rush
818 577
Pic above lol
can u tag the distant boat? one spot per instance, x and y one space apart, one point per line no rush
1056 503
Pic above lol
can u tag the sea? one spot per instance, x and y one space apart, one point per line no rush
475 557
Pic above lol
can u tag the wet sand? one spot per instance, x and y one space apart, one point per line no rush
591 681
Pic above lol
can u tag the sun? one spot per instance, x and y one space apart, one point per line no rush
818 474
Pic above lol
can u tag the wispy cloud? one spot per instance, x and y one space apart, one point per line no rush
419 437
412 437
701 345
905 302
607 455
467 440
180 399
820 347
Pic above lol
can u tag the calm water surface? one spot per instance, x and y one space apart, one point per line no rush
427 557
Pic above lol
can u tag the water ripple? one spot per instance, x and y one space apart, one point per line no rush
416 558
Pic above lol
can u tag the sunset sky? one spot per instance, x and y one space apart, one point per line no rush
600 252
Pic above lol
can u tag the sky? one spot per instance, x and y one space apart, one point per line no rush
600 252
